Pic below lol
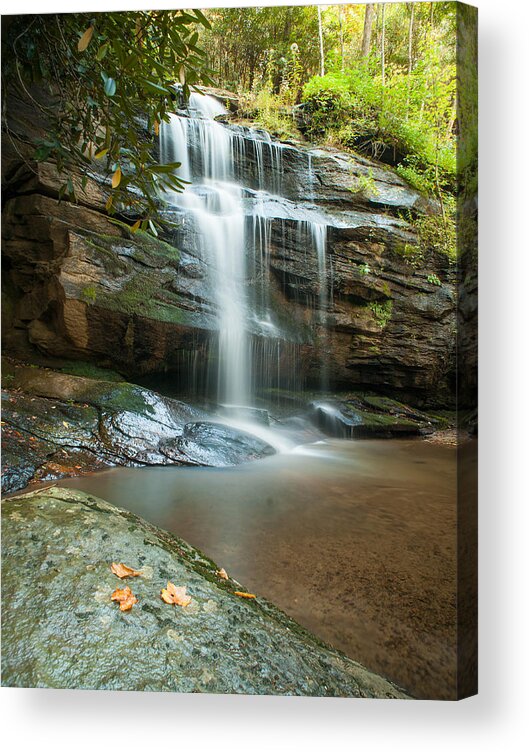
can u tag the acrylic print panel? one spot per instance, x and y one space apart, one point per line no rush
239 350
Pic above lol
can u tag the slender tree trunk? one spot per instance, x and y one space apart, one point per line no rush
383 45
340 17
410 57
410 38
320 32
368 28
428 36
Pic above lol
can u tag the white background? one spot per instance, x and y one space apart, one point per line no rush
69 720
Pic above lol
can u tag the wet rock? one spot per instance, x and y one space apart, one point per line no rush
61 629
57 425
241 412
362 416
219 445
332 421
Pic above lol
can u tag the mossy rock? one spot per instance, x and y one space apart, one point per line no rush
61 629
90 371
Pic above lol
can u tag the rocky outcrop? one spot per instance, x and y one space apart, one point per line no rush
56 425
76 285
61 629
364 416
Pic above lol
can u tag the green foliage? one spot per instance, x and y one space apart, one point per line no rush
381 312
89 294
359 110
433 279
327 102
270 111
102 73
90 371
437 232
364 269
365 185
293 87
403 110
412 254
251 48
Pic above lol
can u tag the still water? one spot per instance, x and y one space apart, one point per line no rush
356 540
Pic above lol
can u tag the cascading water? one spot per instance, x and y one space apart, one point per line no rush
232 228
213 204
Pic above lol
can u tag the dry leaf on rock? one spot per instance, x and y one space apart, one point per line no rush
244 595
83 43
122 570
125 598
175 595
222 574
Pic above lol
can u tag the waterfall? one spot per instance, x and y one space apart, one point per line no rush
231 228
213 205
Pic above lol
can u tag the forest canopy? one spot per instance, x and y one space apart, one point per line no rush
383 78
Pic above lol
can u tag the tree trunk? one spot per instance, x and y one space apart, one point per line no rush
410 57
340 17
320 32
368 27
383 45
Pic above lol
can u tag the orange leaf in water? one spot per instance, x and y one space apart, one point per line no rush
176 595
122 570
125 598
244 595
222 574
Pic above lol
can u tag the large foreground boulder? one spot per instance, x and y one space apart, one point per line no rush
61 628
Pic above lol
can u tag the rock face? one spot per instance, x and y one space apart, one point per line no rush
77 286
57 425
61 629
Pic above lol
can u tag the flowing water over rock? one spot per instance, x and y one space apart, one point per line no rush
229 225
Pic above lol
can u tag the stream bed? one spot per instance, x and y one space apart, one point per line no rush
356 540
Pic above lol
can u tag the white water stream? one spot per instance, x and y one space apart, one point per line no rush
235 243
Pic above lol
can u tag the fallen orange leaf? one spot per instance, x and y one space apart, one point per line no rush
176 595
122 570
125 598
244 595
83 43
222 574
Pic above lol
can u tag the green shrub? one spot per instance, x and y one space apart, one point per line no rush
382 312
433 279
270 111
